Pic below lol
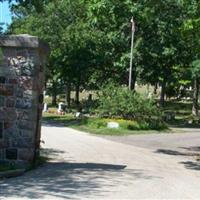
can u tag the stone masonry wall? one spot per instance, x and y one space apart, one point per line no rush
21 88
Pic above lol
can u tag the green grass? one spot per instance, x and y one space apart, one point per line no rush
114 132
182 111
7 167
97 125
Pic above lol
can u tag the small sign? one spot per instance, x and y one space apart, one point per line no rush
113 125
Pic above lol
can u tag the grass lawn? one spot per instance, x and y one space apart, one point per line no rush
93 125
182 111
6 167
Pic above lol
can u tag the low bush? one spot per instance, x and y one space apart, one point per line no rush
122 103
99 123
142 113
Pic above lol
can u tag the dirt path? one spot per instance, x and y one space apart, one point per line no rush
90 167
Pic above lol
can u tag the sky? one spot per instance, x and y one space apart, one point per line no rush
5 14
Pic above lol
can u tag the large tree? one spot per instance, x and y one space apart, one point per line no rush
191 51
64 26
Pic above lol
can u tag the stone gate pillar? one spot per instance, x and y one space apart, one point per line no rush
22 60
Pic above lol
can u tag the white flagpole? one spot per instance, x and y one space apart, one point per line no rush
131 57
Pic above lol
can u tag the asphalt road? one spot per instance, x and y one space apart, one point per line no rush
84 166
182 140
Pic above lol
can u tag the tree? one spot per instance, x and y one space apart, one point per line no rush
161 42
191 55
63 25
196 78
110 20
90 41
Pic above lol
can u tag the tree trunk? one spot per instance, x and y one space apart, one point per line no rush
195 105
54 98
68 94
162 95
54 94
155 89
133 80
77 93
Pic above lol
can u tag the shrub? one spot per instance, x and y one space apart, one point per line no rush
119 102
98 123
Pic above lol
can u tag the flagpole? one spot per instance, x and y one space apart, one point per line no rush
131 57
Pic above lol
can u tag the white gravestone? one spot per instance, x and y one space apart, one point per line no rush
113 125
45 108
77 114
60 107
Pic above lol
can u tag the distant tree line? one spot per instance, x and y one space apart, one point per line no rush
90 42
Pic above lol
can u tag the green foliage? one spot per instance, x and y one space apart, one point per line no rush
90 40
119 102
7 167
101 123
195 69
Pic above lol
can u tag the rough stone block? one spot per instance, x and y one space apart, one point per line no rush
8 114
28 69
2 79
26 154
6 90
26 83
3 144
25 124
8 124
8 71
22 142
19 92
2 101
12 81
11 154
2 154
24 103
1 130
27 115
10 102
26 133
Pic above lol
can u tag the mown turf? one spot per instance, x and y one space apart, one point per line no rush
93 125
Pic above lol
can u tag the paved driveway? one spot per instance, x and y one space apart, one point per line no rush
179 141
89 167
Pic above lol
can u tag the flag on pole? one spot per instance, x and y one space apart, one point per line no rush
133 25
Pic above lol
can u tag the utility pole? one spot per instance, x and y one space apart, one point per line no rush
131 57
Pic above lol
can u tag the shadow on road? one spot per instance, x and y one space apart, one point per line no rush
67 180
192 165
189 151
70 179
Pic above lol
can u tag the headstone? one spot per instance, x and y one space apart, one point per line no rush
44 93
77 114
60 107
169 116
149 95
45 109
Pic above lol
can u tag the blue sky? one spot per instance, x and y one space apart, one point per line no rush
5 14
